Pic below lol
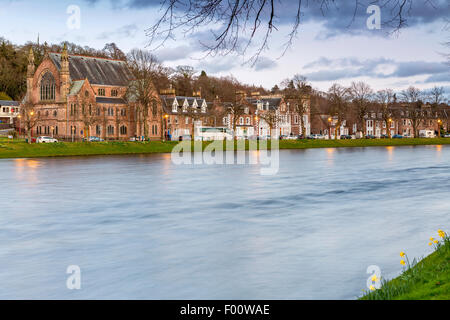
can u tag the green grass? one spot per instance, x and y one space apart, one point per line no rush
428 279
20 149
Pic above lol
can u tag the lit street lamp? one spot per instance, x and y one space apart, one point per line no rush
329 127
439 127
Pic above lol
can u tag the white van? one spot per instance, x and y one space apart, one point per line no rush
427 134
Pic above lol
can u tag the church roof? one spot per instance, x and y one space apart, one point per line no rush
97 70
107 100
76 87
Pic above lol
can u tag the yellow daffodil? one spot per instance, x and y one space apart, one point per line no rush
435 241
441 234
402 254
374 279
430 243
402 262
372 288
431 239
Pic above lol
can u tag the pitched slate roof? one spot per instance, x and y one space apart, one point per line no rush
97 70
110 100
8 103
167 103
76 87
274 103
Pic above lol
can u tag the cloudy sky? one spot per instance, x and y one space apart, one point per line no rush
330 47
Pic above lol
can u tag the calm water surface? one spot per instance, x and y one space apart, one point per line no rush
140 227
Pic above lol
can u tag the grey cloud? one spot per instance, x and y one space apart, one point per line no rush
344 68
443 77
264 63
126 31
173 54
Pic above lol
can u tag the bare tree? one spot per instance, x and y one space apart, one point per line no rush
29 117
236 110
272 118
243 22
411 97
88 113
338 97
144 68
385 98
298 90
436 96
361 94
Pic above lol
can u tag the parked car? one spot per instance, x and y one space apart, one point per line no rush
283 137
185 137
397 136
346 137
370 136
384 136
96 139
447 135
44 139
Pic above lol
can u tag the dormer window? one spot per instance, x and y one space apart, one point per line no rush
114 93
48 87
101 92
174 106
246 110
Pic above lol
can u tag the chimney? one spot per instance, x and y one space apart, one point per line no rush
169 92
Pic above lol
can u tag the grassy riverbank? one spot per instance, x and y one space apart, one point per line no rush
429 279
19 149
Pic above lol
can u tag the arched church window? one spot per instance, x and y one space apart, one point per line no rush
48 87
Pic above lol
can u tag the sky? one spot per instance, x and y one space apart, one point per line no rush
331 47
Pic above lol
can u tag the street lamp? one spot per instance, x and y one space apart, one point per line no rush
20 124
389 127
439 127
329 128
166 116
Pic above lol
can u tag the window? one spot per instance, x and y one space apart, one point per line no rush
110 111
225 120
247 121
98 130
174 106
296 119
114 93
123 130
48 87
241 121
110 130
392 124
73 130
98 111
176 120
86 93
73 109
55 113
246 110
101 92
123 112
187 120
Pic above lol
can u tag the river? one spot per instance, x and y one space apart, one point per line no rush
141 227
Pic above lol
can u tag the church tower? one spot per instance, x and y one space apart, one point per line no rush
65 75
30 73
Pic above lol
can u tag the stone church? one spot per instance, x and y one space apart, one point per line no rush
74 97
